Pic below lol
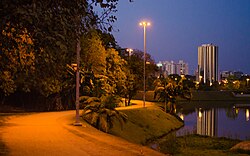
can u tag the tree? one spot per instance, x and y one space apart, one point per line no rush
93 53
54 28
106 66
130 90
108 39
57 23
16 64
167 90
115 71
135 72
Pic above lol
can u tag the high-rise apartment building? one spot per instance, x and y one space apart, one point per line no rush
170 67
207 63
182 68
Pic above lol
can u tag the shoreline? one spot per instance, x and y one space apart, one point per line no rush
200 96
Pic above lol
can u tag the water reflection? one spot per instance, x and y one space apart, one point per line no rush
247 114
207 122
221 119
232 112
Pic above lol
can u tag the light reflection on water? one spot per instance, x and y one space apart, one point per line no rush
231 121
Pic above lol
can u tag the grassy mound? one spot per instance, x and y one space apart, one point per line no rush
145 124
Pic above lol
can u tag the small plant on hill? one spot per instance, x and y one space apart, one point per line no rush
101 112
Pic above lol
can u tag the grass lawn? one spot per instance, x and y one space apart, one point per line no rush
195 145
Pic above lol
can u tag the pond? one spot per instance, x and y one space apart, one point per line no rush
215 118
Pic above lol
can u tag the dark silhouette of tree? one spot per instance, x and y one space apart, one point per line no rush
135 73
53 28
167 90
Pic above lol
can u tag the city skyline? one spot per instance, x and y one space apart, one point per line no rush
171 67
179 27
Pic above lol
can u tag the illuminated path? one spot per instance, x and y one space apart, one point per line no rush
52 133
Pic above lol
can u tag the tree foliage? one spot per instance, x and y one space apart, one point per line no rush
167 90
101 112
18 63
93 53
135 73
38 41
115 71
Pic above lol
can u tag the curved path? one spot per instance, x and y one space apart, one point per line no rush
52 133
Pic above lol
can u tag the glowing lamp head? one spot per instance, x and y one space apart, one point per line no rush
144 23
129 50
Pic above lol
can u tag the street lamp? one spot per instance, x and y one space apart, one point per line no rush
129 51
144 24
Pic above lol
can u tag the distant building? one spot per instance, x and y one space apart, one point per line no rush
170 67
225 74
235 74
181 68
207 63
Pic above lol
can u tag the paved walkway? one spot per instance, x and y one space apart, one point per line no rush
136 104
52 133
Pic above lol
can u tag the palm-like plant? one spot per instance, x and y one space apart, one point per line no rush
167 90
101 113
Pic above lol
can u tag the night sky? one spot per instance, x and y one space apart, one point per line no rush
178 27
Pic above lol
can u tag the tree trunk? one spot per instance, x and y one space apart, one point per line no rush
165 102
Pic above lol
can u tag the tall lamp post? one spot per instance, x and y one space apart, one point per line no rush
78 49
144 24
